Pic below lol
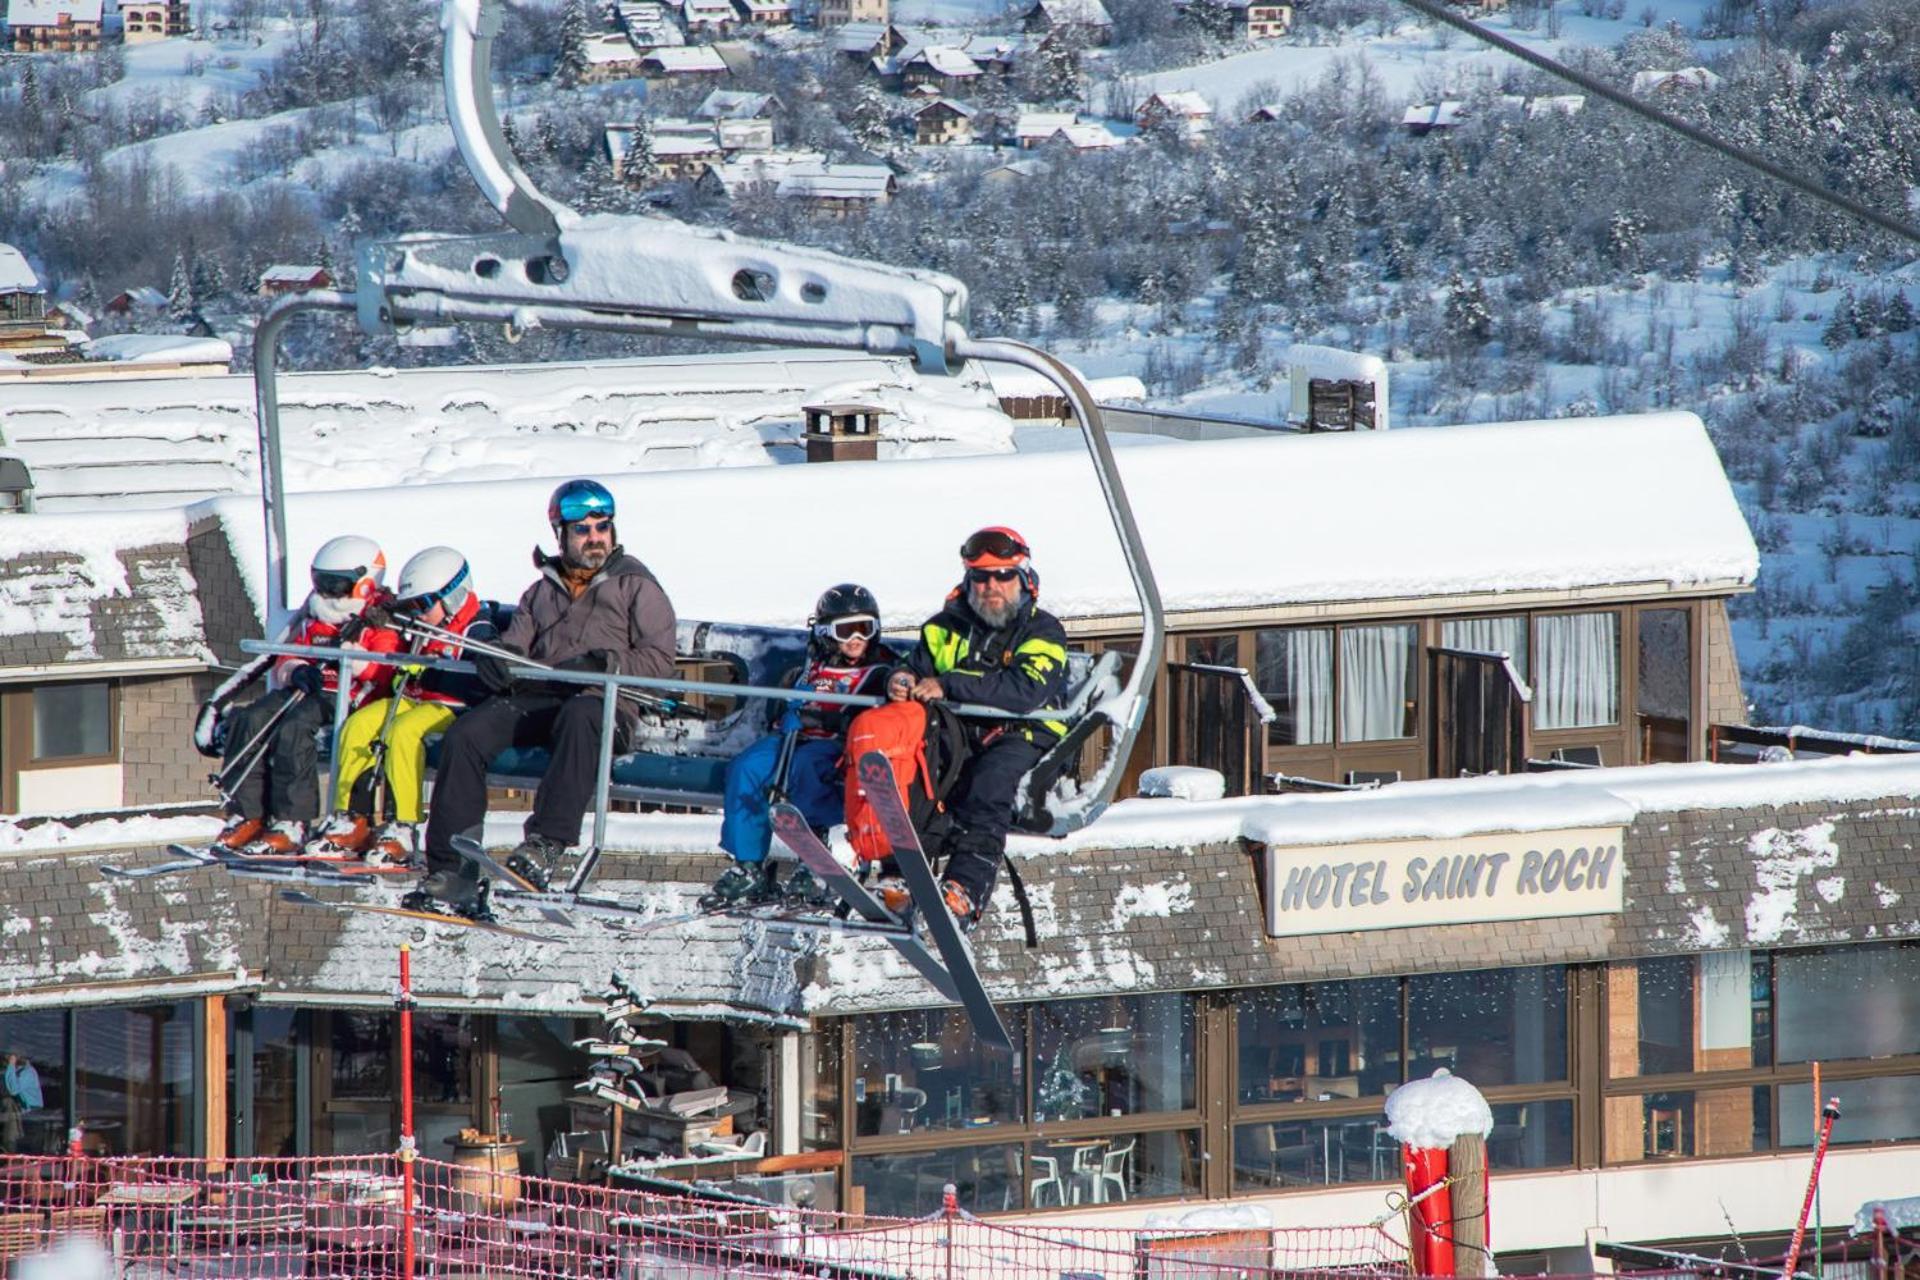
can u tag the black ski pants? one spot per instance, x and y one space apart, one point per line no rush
284 781
981 805
567 724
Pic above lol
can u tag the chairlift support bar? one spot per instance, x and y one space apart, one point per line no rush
643 275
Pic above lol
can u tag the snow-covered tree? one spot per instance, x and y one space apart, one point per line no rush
1469 316
180 303
600 191
571 66
637 167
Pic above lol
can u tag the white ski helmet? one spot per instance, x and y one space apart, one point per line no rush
349 568
438 575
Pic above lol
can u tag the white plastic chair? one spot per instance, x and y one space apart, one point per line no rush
1048 1169
1113 1169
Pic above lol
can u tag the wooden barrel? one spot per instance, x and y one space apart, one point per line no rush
485 1176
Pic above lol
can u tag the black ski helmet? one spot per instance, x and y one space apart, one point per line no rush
845 600
848 600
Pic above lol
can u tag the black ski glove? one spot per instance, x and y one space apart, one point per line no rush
493 673
307 679
598 661
377 616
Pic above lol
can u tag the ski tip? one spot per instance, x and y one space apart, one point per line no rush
112 872
300 897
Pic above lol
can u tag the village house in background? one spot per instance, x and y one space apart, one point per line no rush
143 21
943 122
1185 112
838 13
1085 20
53 26
286 277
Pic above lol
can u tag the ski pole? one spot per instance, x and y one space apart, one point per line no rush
378 752
1828 1114
259 741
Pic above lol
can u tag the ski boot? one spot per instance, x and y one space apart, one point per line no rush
281 837
805 891
341 836
239 832
453 892
535 858
395 846
960 903
742 883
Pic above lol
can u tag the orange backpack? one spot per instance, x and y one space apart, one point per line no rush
926 744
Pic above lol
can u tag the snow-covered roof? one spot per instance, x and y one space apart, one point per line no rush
767 7
1010 380
1042 124
1546 104
858 37
46 13
611 46
78 315
682 144
1088 137
836 182
146 296
997 48
1182 102
346 429
151 348
1334 511
1091 13
734 104
948 104
1434 115
1021 169
15 275
291 273
105 586
763 169
945 60
687 59
709 11
1699 78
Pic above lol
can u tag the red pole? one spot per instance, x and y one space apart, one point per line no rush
1828 1115
404 1000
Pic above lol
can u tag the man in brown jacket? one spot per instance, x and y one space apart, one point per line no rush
593 608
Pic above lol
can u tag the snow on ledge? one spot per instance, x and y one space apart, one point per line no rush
1433 1112
1182 782
145 348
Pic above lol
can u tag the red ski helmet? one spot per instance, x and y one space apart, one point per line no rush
999 547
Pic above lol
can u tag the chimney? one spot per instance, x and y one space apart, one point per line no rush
842 432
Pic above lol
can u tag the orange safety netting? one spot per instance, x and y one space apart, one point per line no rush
346 1217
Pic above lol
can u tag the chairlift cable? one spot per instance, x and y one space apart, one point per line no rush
1740 155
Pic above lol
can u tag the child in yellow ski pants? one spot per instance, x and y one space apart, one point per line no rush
406 762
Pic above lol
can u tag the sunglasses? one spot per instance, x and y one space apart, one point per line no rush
336 585
858 626
581 528
993 542
992 575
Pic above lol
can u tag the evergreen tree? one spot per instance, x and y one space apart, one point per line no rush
180 303
637 167
511 136
1841 328
867 120
1215 17
571 66
209 279
1469 317
1898 315
600 191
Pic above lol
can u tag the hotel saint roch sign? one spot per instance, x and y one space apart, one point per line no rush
1394 884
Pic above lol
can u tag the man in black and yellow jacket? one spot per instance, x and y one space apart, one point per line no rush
994 646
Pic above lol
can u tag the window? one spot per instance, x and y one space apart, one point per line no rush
1319 1041
1307 1152
1848 1002
73 720
1489 635
1501 1026
1113 1168
135 1072
1578 661
1531 1135
34 1045
1294 669
538 1066
1689 1123
925 1069
1687 1014
820 1054
1664 696
985 1180
1379 683
1878 1110
1112 1057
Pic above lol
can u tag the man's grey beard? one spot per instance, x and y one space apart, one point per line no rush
591 559
995 616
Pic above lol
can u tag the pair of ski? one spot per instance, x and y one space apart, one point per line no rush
958 980
318 867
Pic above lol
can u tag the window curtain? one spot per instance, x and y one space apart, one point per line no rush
1501 635
1295 672
1579 683
1376 665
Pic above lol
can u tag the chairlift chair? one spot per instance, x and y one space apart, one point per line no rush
555 269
